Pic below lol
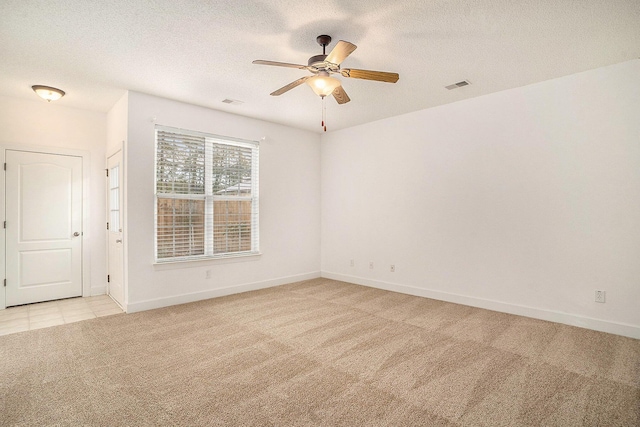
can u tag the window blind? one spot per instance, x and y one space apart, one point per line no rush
206 195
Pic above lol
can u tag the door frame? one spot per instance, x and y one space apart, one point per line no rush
123 208
86 223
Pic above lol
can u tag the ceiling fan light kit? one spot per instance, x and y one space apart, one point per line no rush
322 66
322 84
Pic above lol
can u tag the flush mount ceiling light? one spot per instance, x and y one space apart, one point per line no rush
48 93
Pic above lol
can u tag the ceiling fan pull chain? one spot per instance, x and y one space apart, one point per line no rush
324 114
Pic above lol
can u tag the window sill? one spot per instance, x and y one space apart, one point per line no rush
189 263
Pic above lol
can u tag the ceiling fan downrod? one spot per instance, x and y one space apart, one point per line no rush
323 40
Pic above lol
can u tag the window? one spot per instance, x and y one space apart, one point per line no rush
114 199
206 196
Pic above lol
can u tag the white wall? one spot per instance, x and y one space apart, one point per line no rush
117 125
289 207
36 123
524 201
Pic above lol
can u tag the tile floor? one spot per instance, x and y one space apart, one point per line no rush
52 313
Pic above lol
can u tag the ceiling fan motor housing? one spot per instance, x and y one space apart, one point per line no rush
316 60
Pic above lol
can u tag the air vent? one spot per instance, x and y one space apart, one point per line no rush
457 85
232 101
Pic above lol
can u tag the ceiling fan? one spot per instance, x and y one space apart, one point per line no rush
322 66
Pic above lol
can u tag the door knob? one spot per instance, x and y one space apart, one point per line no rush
119 241
76 234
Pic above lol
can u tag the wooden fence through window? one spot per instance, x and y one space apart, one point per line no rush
181 227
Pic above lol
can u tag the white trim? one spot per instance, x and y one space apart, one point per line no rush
214 293
519 310
125 222
86 196
118 150
3 232
174 263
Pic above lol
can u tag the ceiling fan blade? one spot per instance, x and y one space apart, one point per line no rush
279 64
380 76
340 52
340 95
289 86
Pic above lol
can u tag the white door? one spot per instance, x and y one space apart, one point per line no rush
114 231
44 227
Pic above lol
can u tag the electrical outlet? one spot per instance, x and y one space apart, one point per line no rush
207 274
600 296
371 265
353 263
393 268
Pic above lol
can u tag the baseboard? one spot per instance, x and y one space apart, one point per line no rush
520 310
134 307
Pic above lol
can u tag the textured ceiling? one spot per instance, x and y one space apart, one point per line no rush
200 52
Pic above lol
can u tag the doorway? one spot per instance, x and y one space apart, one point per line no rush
44 218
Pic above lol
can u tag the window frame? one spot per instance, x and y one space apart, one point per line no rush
209 197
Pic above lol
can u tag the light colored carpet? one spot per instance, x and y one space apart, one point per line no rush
319 353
